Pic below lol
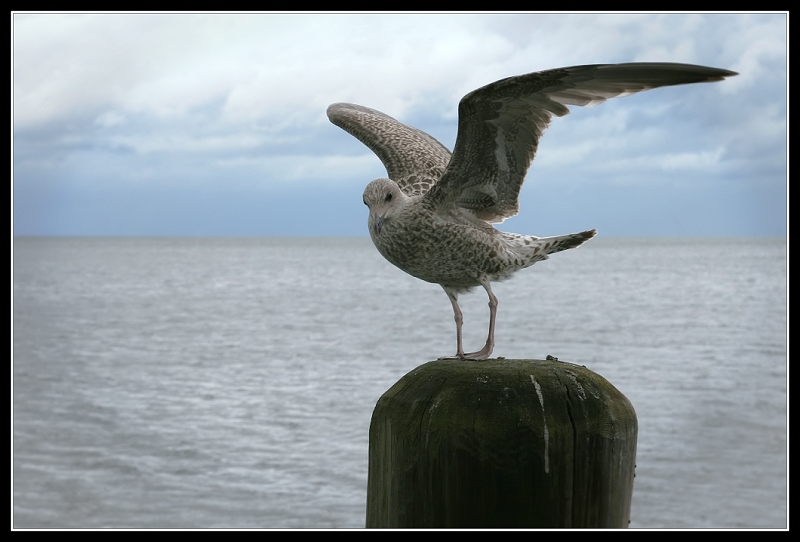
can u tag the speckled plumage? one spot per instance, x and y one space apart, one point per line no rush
432 216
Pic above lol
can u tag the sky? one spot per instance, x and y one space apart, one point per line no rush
214 124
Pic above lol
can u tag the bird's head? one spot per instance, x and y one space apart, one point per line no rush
385 200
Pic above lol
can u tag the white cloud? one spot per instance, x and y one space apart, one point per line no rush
263 65
249 91
185 144
110 119
693 161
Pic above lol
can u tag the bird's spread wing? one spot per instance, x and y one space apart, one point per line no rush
413 159
499 126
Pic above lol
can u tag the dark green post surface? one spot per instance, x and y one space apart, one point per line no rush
503 444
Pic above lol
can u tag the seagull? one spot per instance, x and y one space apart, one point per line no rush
432 216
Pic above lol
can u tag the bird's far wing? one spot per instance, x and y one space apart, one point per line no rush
413 159
499 125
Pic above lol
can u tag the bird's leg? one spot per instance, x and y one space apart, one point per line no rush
486 351
453 296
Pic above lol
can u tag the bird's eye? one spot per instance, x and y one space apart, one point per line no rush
388 197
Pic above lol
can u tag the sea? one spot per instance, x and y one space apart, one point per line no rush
228 383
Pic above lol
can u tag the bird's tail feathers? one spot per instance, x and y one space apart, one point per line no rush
551 245
535 249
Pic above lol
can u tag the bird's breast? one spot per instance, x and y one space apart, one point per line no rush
436 250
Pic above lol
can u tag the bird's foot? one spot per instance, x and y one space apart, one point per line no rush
474 356
483 353
445 358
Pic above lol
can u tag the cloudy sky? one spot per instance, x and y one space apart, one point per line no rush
214 124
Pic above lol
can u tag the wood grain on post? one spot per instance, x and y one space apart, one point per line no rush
501 443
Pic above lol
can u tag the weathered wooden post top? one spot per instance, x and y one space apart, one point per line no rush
501 444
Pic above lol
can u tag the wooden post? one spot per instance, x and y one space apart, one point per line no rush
501 443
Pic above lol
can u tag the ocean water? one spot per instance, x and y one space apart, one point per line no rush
229 383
